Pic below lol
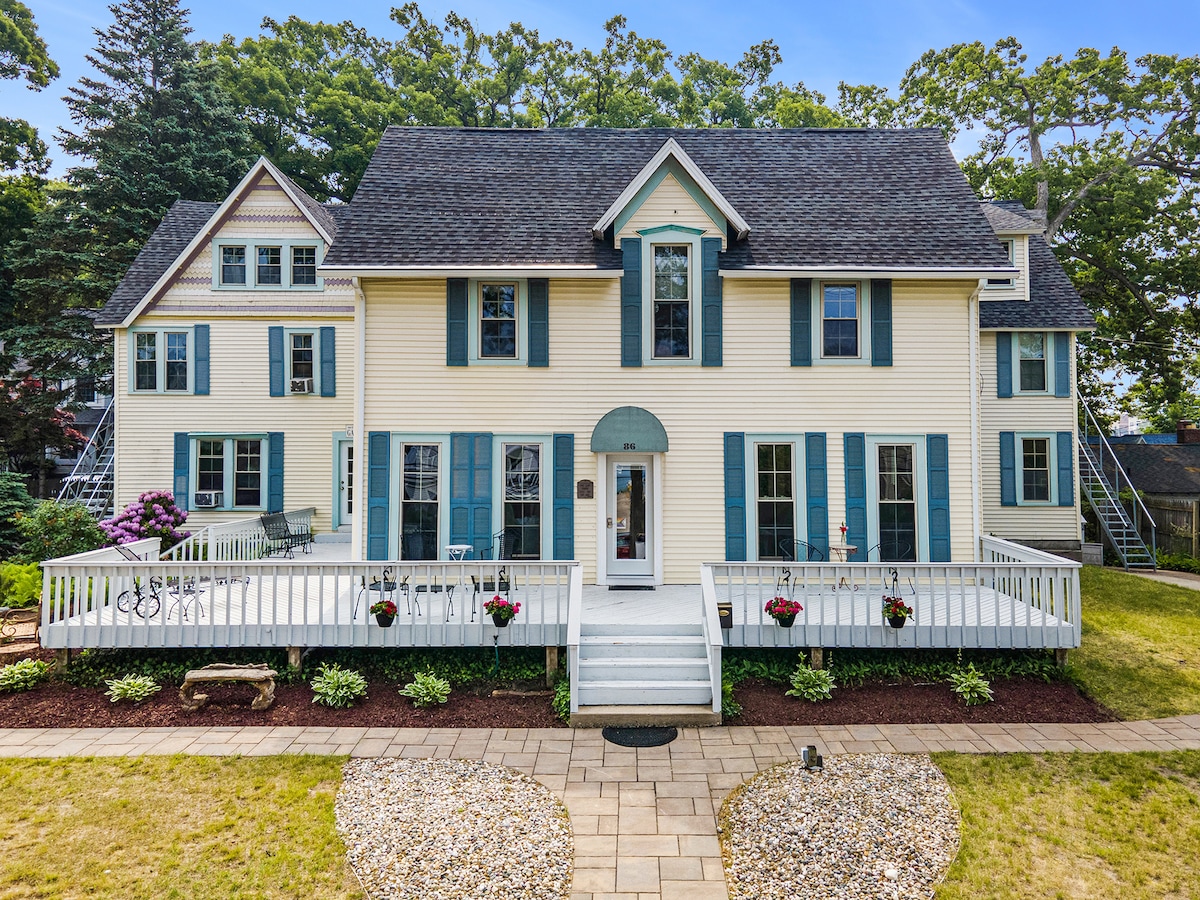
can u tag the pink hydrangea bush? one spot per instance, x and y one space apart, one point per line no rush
153 514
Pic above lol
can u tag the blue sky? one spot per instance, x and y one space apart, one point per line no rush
822 43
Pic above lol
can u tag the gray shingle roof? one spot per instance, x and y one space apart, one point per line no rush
1161 468
1011 215
813 197
1053 300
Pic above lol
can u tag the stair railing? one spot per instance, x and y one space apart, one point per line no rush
91 476
1121 479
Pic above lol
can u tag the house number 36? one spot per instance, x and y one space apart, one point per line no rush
631 446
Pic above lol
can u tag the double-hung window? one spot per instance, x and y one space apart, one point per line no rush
300 362
267 264
523 500
672 301
304 266
270 271
1031 355
1035 469
839 321
161 361
497 321
229 472
233 265
1007 244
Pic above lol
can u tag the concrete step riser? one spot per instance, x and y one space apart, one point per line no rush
681 629
642 651
647 671
610 694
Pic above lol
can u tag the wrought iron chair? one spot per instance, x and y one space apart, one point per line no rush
386 587
800 551
903 552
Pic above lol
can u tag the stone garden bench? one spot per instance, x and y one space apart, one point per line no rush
260 676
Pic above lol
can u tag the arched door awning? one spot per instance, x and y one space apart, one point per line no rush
629 429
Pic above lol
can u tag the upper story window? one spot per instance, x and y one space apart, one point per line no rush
1031 353
497 321
266 264
161 361
671 337
300 362
1008 244
839 321
1035 470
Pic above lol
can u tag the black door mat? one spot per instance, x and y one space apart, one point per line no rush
639 737
631 587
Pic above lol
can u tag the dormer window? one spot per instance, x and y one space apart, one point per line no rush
672 301
1007 244
304 265
269 269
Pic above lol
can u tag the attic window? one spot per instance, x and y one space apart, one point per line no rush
1007 244
672 302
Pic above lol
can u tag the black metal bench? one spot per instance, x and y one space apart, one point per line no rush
283 536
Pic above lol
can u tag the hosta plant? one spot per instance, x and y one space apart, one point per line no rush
24 675
971 686
426 689
811 684
134 688
338 687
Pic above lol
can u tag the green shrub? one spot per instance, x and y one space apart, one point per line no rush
561 704
730 708
20 584
14 499
971 686
23 675
426 689
94 668
56 529
854 667
338 687
461 666
814 685
1177 562
134 688
766 664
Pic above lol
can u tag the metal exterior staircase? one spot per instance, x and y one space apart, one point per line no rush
91 481
1098 470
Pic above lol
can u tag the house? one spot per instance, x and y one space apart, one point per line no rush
762 361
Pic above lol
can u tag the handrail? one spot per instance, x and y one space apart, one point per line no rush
714 640
574 633
1121 473
84 472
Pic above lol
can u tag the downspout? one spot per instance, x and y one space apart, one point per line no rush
976 437
357 530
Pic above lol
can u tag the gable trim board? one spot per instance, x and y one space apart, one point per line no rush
675 180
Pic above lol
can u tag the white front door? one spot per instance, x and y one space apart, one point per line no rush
630 521
345 483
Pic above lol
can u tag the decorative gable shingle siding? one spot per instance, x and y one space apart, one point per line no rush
445 197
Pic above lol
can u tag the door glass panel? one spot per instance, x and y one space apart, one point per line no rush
630 522
776 503
897 504
419 502
522 500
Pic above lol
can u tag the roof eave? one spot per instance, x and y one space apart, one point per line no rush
956 273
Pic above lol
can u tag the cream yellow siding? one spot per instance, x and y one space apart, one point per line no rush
669 204
1020 286
409 388
1022 413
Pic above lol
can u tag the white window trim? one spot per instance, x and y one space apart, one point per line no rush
1004 284
228 473
161 359
395 532
1051 438
1048 344
546 442
252 244
920 488
672 237
287 361
475 313
818 324
799 487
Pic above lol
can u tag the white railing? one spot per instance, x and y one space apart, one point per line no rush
574 629
243 539
1017 598
168 603
714 640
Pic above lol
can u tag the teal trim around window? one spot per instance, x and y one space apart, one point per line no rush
1056 379
1062 365
379 460
801 323
817 492
1008 468
564 497
539 323
855 455
523 326
182 459
710 303
1053 467
670 166
673 236
201 360
275 472
735 496
161 358
937 461
631 303
251 263
1004 364
866 334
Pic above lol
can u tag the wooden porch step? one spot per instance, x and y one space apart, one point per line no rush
633 716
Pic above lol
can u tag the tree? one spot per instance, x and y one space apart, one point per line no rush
23 56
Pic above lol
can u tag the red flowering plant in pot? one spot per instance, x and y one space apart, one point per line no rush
384 612
896 611
501 610
783 610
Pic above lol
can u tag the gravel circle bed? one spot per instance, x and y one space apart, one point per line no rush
867 826
435 829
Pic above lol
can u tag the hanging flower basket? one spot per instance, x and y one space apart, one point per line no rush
501 611
783 611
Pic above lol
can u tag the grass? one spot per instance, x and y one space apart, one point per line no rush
172 827
1141 645
1075 826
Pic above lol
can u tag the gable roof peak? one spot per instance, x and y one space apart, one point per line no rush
671 149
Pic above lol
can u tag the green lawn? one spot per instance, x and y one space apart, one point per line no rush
1075 826
1141 645
172 827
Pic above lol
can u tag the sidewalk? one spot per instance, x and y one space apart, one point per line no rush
644 820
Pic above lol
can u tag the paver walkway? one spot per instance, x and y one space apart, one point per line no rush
644 820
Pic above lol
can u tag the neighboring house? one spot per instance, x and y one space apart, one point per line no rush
641 349
1162 471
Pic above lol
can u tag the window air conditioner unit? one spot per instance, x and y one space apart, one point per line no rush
302 386
209 499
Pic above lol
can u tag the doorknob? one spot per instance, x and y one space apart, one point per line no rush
610 521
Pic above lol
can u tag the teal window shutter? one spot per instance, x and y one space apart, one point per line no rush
710 302
539 323
631 302
182 458
1008 468
881 322
564 496
461 455
818 492
328 361
201 357
471 491
855 445
275 356
801 321
481 495
1066 468
379 491
1004 364
735 495
456 321
275 471
937 462
1062 366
